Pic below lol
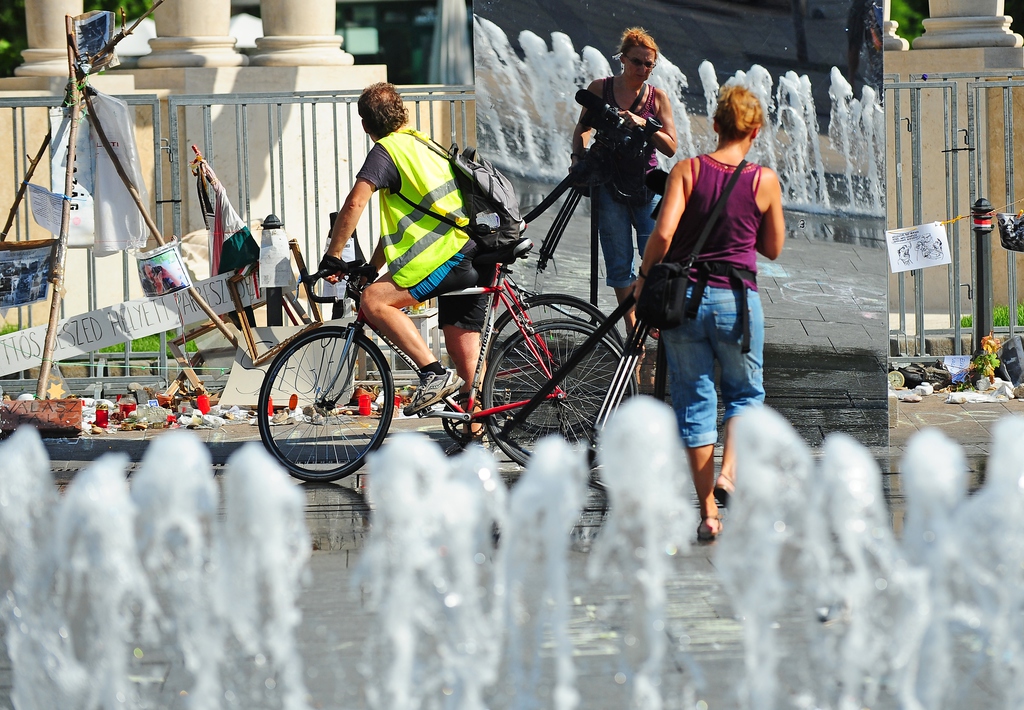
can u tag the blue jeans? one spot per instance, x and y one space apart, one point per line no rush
691 351
615 225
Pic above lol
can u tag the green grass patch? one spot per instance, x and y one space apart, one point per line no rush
1000 317
148 344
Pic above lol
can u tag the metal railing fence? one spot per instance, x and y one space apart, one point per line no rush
293 154
956 133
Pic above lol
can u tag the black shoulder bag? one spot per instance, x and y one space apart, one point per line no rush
662 302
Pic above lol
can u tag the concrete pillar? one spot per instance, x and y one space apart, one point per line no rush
966 23
299 33
193 33
47 53
891 42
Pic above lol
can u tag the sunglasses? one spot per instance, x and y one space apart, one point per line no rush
640 63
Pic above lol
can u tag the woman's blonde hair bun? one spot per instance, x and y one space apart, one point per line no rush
739 112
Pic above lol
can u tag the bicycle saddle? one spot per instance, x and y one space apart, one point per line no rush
505 255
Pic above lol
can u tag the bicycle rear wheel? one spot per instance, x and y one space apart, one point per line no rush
547 307
517 371
327 439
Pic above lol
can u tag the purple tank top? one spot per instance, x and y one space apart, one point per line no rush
645 112
733 240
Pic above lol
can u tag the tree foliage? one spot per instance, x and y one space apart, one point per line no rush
14 38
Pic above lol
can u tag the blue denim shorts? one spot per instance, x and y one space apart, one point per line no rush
615 226
693 348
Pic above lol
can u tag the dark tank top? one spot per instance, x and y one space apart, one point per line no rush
733 239
645 112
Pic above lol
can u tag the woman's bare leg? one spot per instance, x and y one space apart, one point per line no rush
702 464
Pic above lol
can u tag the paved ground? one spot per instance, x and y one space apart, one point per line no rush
826 330
825 361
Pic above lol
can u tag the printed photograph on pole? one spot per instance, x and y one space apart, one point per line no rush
25 272
162 271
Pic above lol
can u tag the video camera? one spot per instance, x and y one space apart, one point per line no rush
613 133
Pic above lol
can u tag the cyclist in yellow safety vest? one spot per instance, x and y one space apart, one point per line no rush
425 257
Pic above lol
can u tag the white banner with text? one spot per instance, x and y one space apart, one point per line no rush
120 323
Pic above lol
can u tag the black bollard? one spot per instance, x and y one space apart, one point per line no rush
275 296
981 221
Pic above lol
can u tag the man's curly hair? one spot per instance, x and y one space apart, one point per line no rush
382 109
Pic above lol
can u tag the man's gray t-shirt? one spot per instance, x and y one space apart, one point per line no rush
380 170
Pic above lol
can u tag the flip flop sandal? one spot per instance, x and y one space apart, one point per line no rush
705 533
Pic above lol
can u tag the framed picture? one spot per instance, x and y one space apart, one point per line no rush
25 269
162 271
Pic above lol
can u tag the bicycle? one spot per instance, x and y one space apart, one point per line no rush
319 373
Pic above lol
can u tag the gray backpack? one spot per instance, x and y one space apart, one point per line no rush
489 200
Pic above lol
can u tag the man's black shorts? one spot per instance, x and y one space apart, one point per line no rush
466 312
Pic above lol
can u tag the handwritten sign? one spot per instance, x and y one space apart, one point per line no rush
917 247
120 323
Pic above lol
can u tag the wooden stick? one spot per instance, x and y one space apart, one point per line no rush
192 290
59 259
24 187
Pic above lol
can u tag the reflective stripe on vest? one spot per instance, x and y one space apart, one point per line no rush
415 242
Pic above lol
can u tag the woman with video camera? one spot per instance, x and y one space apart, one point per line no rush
624 203
729 323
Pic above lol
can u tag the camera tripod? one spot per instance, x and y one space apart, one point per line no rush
581 176
585 174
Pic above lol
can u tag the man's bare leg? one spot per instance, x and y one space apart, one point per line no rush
382 305
463 347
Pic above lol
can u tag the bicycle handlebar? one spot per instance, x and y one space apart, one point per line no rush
356 270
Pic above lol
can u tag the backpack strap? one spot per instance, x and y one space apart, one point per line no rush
447 155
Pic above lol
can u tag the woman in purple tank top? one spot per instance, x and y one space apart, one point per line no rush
623 204
729 323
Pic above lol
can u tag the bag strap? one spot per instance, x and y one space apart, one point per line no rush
637 102
447 155
713 217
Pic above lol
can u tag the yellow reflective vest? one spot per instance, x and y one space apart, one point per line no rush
416 243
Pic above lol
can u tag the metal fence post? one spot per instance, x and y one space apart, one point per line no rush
981 220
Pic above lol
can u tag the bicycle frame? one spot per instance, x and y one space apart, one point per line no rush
505 292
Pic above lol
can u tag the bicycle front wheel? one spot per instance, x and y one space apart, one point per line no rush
521 367
326 438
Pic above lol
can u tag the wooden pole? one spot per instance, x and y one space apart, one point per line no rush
192 290
60 257
24 186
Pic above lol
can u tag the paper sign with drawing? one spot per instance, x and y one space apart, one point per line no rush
917 247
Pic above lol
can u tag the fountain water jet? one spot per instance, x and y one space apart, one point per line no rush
428 568
104 580
526 113
650 521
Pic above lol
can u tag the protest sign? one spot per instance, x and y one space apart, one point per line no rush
917 247
120 323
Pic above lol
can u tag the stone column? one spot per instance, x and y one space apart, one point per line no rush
47 53
966 23
299 33
890 40
193 33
